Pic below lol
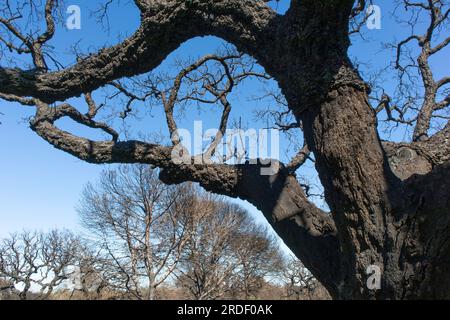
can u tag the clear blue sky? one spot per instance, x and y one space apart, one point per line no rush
40 186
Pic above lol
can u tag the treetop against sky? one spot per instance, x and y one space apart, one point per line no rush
26 198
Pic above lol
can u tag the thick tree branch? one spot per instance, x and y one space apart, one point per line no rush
280 197
165 26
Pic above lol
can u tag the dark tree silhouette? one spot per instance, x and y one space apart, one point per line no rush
389 203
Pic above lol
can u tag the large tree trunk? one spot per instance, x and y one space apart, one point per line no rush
398 225
384 218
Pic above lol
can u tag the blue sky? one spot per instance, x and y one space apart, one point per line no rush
40 186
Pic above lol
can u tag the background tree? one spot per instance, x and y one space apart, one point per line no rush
388 202
258 259
33 264
7 290
135 220
299 283
87 277
227 255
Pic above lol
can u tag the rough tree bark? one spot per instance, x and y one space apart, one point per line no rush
385 210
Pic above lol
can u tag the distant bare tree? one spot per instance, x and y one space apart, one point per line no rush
134 219
34 264
227 254
300 284
87 281
206 270
257 256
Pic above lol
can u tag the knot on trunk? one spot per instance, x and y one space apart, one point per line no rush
405 162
